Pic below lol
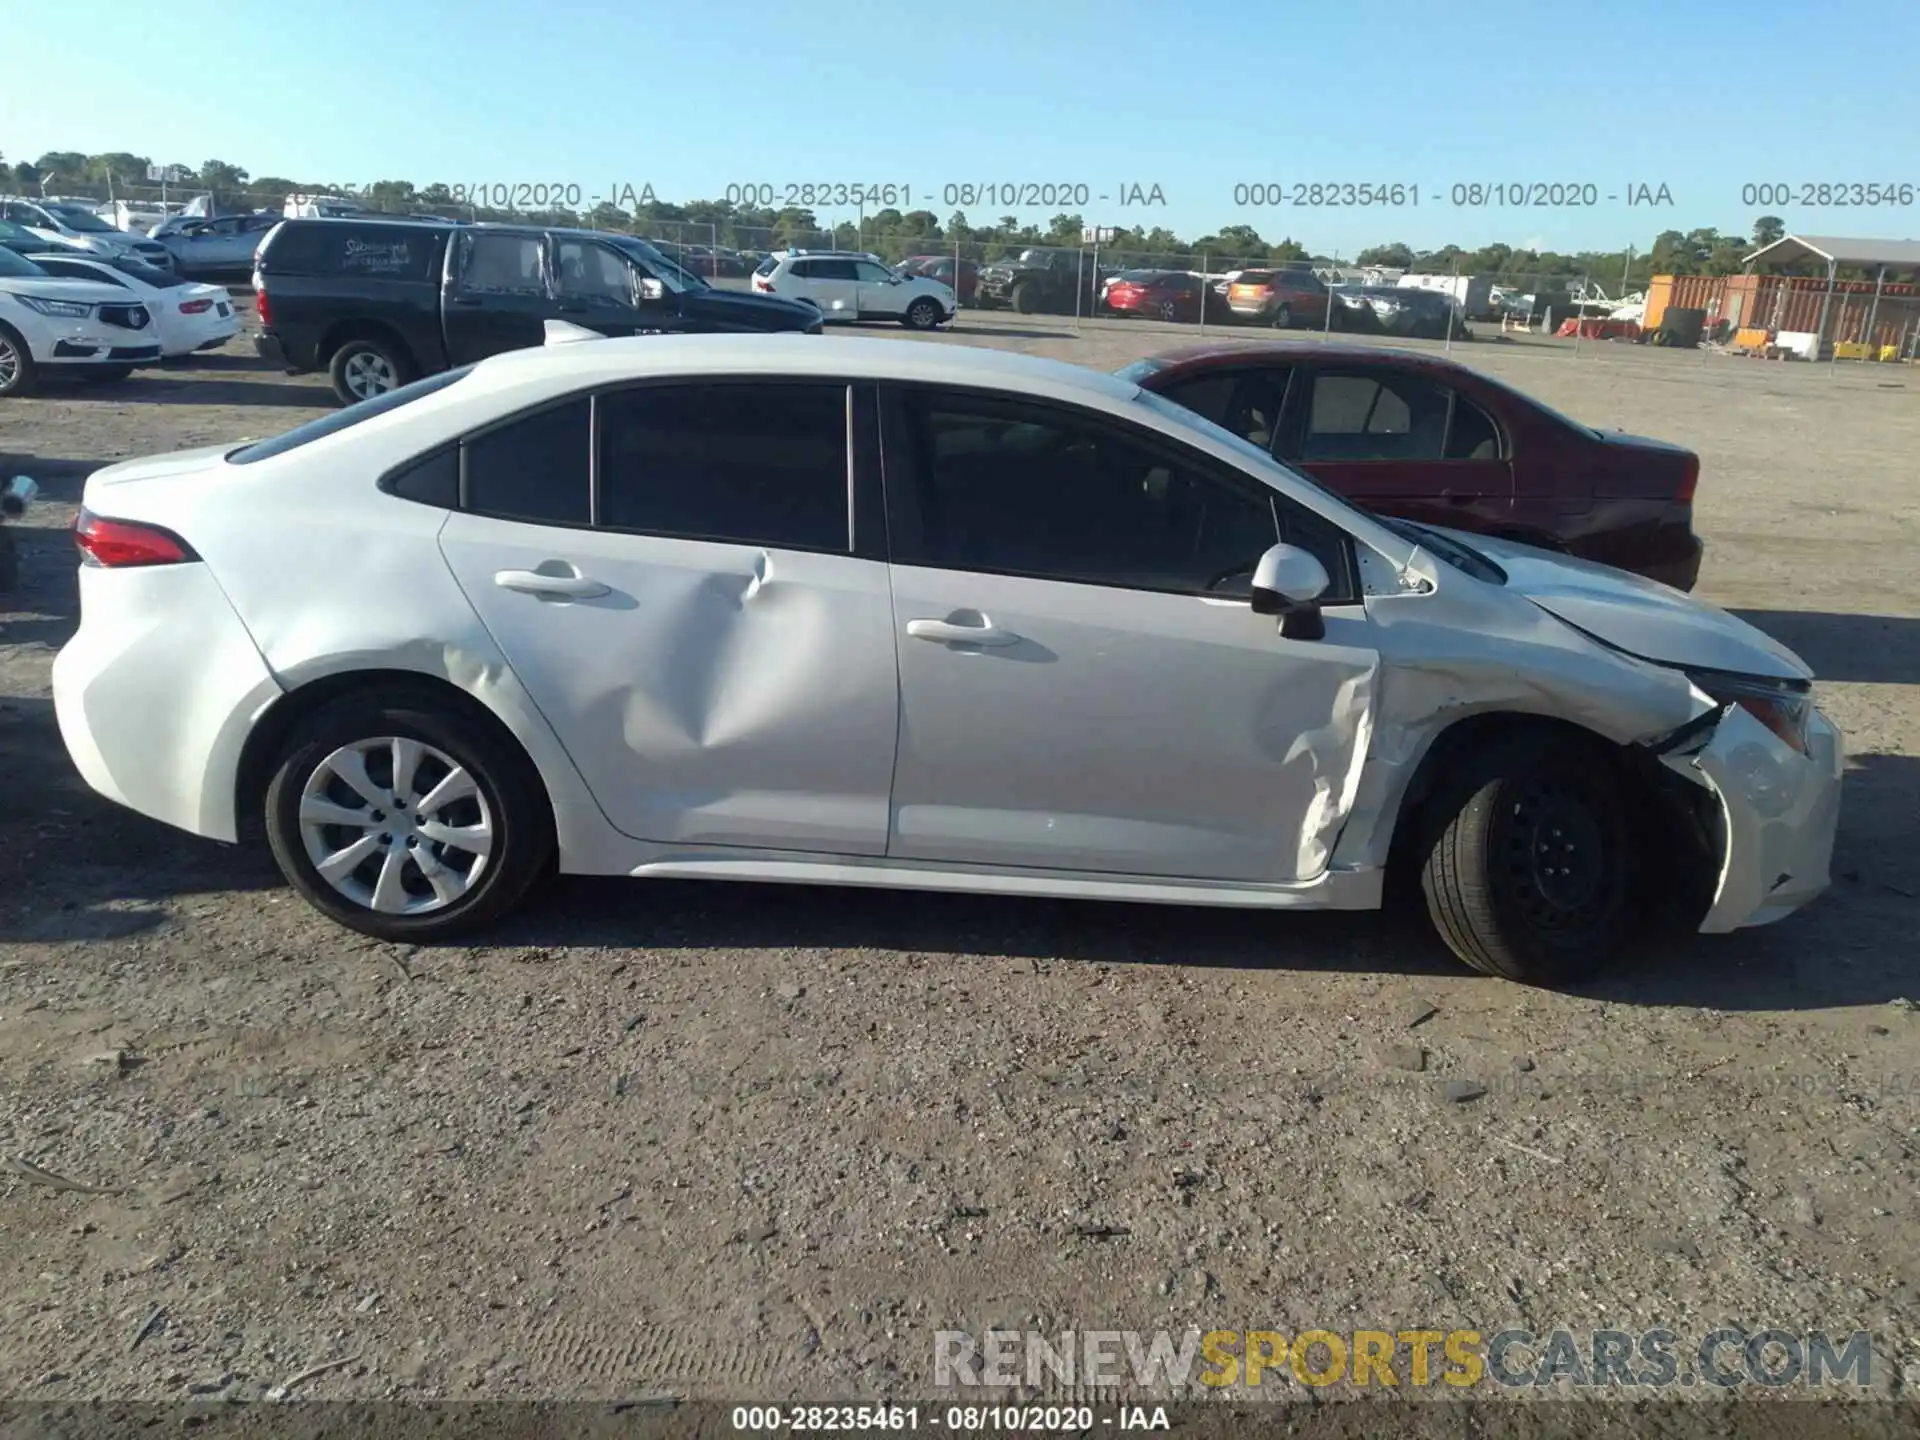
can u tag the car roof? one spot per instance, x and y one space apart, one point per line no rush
841 357
1230 352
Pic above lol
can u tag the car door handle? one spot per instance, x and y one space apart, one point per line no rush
945 632
468 300
1456 497
532 582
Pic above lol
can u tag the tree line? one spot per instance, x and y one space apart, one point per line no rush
895 233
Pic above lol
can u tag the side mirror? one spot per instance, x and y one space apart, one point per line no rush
652 290
1289 582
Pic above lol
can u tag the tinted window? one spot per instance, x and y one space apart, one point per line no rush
324 248
593 273
766 266
1028 491
806 269
1473 435
834 270
752 464
535 468
431 480
344 419
502 265
18 266
1207 395
1369 417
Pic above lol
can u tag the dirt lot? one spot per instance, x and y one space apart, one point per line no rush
759 1143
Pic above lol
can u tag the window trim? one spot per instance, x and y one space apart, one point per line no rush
903 481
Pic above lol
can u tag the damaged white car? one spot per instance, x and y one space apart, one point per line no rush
855 612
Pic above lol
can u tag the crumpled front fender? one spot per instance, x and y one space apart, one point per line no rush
1779 811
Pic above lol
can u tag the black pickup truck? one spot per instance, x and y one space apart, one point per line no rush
376 302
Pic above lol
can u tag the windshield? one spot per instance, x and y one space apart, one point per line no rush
673 276
18 266
78 217
147 274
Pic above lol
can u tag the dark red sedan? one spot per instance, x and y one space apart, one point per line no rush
1417 436
964 282
1159 295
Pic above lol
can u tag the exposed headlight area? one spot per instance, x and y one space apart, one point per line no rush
1783 706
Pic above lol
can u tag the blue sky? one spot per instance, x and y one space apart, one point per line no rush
690 97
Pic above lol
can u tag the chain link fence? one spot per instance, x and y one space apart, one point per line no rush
1199 289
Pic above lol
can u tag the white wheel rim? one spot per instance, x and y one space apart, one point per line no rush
369 374
396 826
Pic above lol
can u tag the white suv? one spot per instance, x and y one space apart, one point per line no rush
47 325
846 287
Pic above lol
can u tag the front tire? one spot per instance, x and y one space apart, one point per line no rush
1530 873
362 369
1025 302
18 374
405 819
922 314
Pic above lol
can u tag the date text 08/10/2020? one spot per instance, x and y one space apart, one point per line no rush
806 194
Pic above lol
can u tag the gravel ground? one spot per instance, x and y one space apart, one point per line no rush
759 1143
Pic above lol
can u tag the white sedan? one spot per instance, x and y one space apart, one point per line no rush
187 315
935 617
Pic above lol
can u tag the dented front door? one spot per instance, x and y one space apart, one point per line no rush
710 694
1082 727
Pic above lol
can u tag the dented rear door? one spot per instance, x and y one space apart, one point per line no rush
716 660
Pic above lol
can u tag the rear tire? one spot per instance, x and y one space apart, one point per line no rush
1530 872
1283 318
18 374
474 853
922 314
364 368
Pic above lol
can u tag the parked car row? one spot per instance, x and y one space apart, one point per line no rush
70 313
377 302
968 620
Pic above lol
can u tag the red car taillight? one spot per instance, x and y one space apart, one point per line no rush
195 307
123 544
260 307
1689 481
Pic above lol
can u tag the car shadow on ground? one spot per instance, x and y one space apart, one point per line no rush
1009 332
1872 649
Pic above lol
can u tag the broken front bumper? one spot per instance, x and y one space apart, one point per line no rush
1779 810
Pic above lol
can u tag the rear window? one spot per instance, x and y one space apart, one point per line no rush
766 266
388 252
1255 277
148 274
344 419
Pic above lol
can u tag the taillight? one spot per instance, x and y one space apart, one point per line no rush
195 307
123 544
1689 481
260 301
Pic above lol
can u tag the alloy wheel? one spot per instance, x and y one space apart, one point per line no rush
396 825
9 364
369 374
